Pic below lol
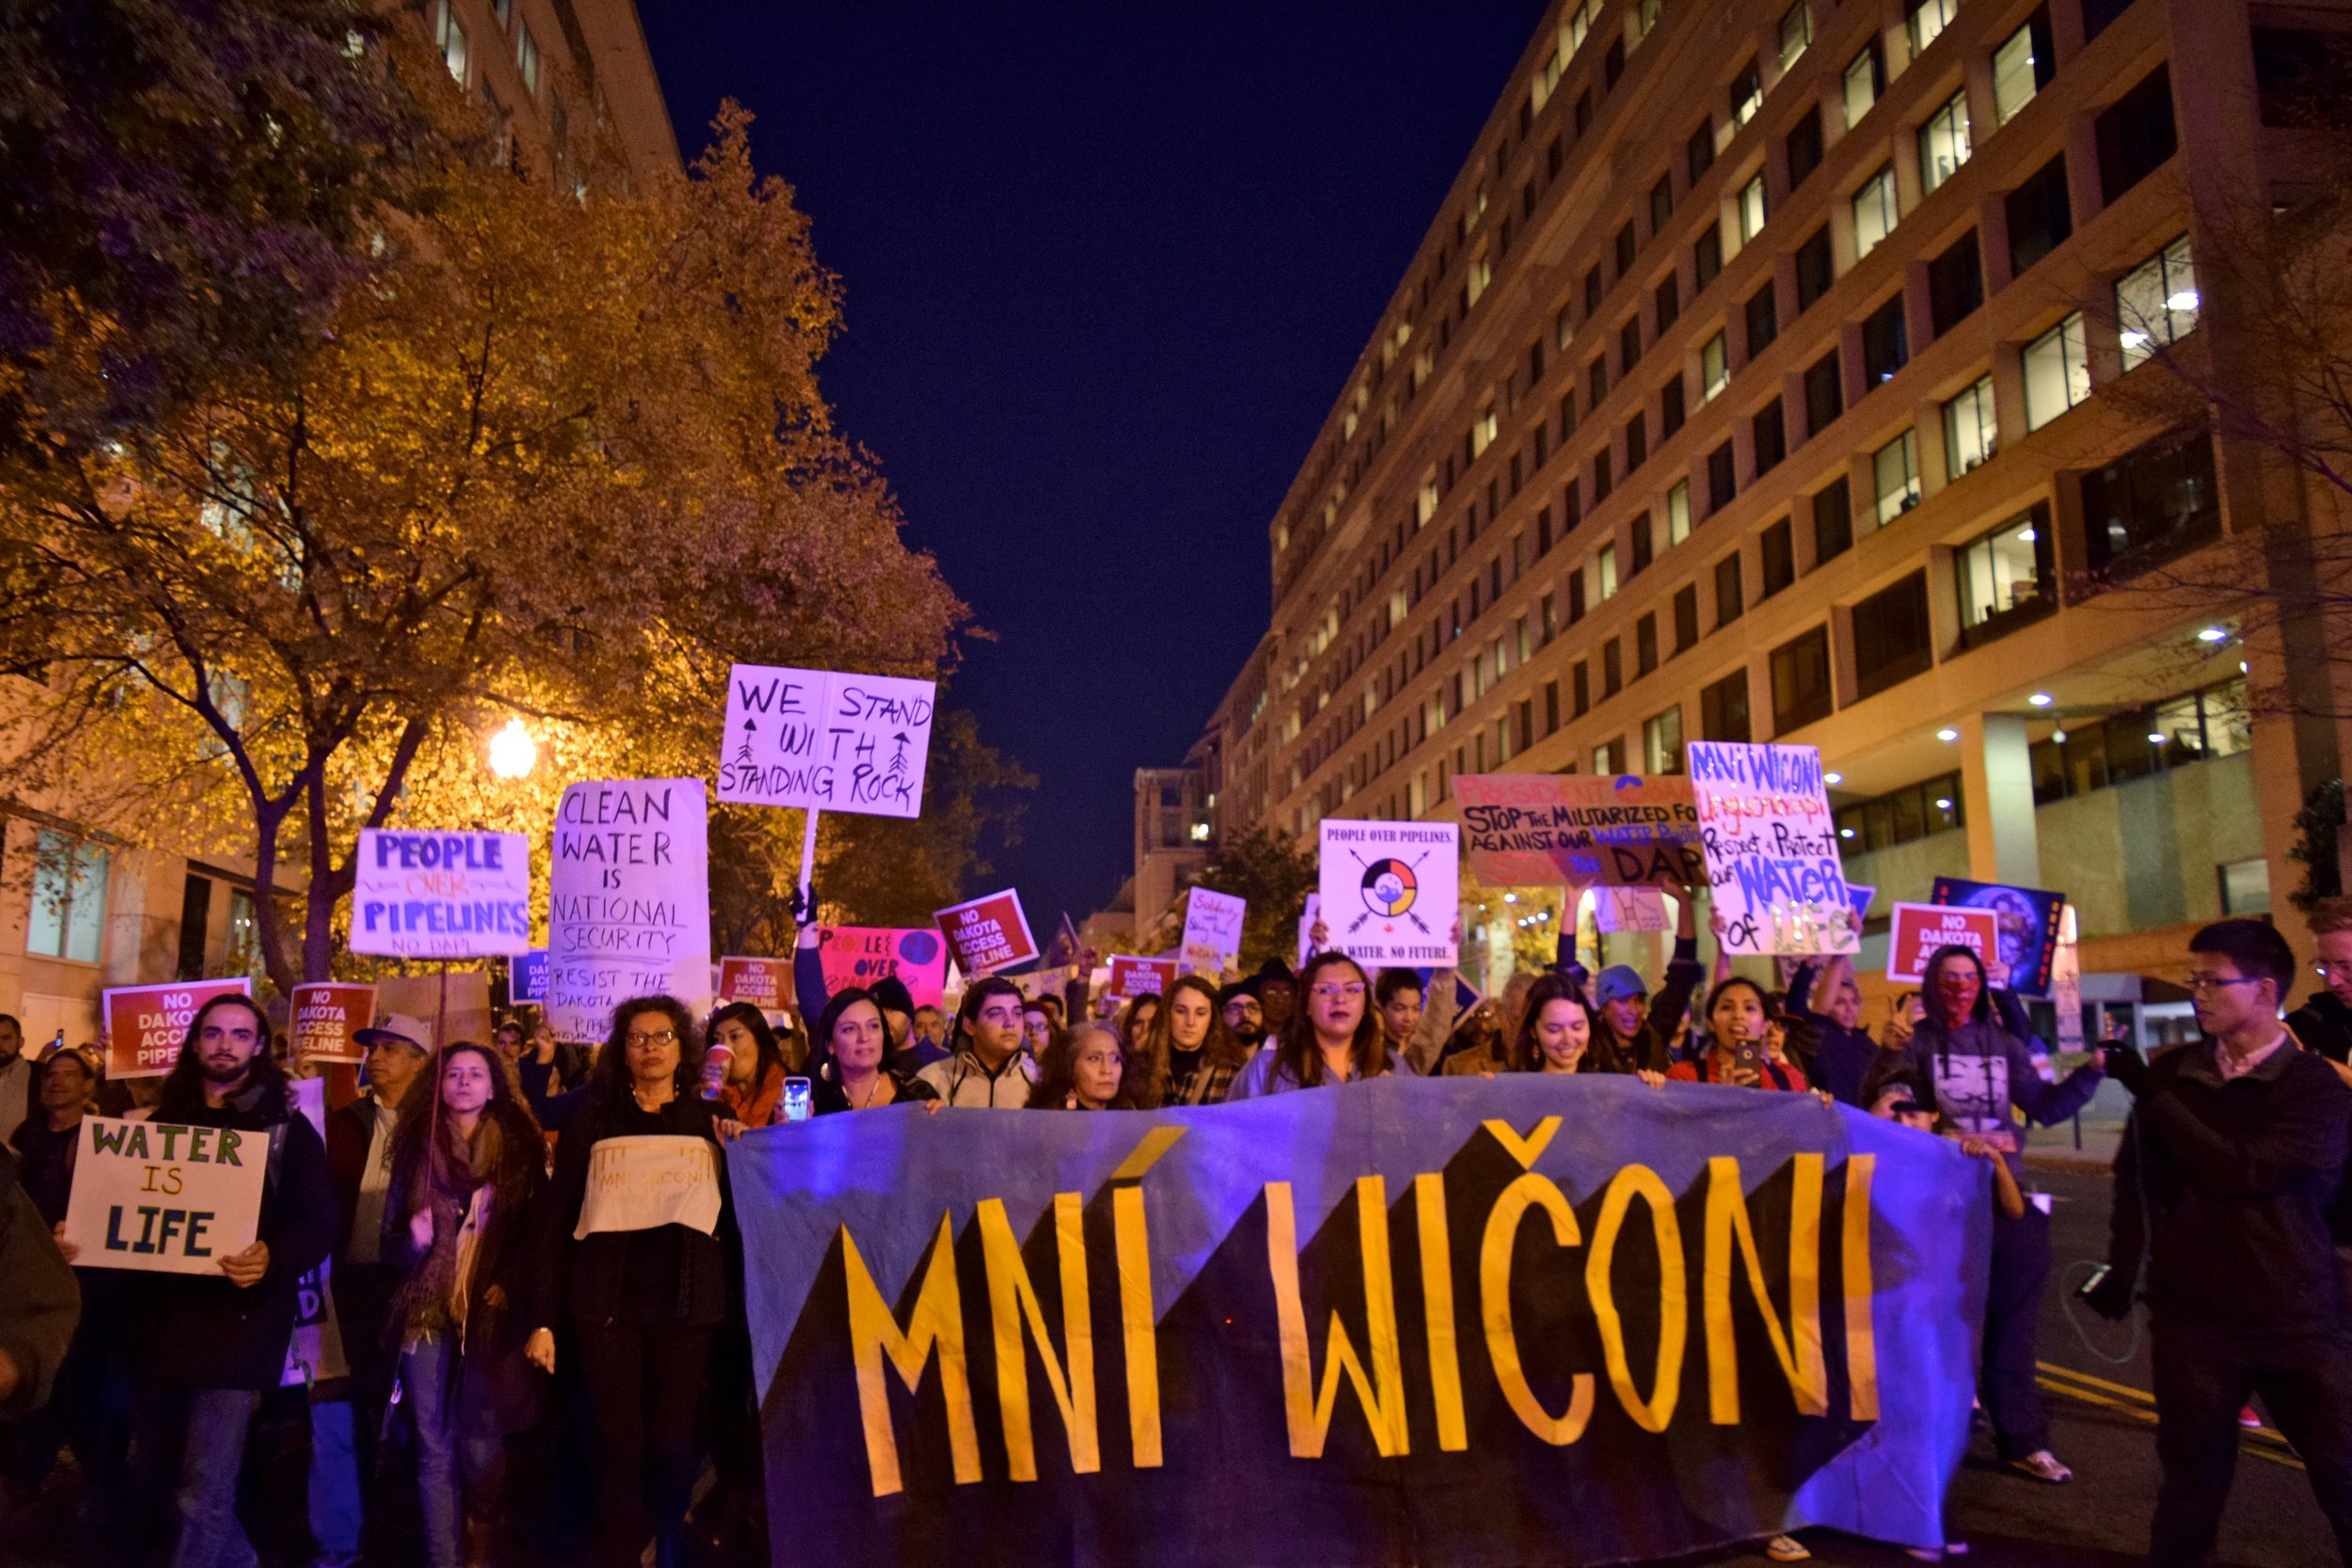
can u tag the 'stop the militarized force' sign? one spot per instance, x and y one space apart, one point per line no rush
1531 1322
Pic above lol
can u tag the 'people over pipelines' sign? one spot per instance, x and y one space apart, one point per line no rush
435 894
1517 1317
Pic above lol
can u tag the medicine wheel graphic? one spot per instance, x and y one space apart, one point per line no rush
1389 888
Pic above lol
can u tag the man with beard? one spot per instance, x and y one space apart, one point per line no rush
1239 1006
209 1346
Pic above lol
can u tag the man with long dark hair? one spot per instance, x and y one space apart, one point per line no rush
210 1346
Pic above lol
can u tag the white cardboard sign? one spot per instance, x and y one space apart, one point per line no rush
163 1198
1213 922
1772 849
826 740
628 901
642 1183
1391 891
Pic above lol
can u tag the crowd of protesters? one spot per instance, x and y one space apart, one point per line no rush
514 1386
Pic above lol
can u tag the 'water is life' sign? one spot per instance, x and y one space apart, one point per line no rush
163 1197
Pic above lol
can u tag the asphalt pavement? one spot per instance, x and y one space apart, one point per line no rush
2096 1376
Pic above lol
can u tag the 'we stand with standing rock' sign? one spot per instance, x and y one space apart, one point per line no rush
825 740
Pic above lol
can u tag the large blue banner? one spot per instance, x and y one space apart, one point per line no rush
1526 1321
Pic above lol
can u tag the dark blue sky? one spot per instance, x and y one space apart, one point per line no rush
1106 268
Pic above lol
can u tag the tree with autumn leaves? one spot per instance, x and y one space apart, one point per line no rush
550 451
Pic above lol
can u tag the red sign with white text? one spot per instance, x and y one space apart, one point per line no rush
1920 930
987 934
323 1017
1134 978
147 1025
765 983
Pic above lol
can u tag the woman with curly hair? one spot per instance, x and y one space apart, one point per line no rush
1088 1069
469 1176
644 1303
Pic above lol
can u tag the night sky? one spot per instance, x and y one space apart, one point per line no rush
1106 269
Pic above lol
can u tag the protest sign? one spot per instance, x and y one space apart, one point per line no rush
2066 986
649 1180
434 894
628 901
826 740
321 1017
1860 897
163 1198
315 1354
2029 918
1772 850
1515 1317
1555 830
1630 908
1390 891
861 955
1133 977
765 983
454 1003
1918 929
1307 922
987 934
527 982
147 1025
1213 922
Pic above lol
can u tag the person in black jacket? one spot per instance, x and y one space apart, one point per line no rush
642 1302
2323 1022
461 1223
2228 1169
210 1347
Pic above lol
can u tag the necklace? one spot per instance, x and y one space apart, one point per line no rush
871 1091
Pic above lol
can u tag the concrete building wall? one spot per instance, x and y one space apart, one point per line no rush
1558 450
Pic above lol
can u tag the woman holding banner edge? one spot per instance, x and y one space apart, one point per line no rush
1335 1038
644 1304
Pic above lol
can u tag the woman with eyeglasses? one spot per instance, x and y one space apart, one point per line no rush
1975 1046
1335 1038
644 1284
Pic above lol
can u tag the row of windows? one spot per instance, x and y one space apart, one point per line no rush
2055 367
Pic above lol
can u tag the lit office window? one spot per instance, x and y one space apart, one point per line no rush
1925 20
450 34
2018 74
1483 433
1796 32
2004 577
2155 303
1875 212
1896 466
1714 369
2058 372
1678 513
1944 143
68 919
1865 78
527 59
1969 434
1752 213
1662 742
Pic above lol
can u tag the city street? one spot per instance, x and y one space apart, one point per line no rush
2104 1428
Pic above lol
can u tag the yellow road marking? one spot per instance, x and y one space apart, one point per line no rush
2148 1418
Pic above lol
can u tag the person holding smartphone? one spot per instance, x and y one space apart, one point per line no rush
1739 1029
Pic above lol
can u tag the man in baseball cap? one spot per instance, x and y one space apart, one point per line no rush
360 1163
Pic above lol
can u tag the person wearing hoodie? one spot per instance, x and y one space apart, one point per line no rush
1845 1052
1975 1046
2323 1022
1630 1027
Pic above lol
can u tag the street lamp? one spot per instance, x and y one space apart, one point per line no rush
513 752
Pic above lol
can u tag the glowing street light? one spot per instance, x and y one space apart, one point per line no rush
513 752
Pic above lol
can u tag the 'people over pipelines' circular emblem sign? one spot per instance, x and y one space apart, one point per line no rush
1389 888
